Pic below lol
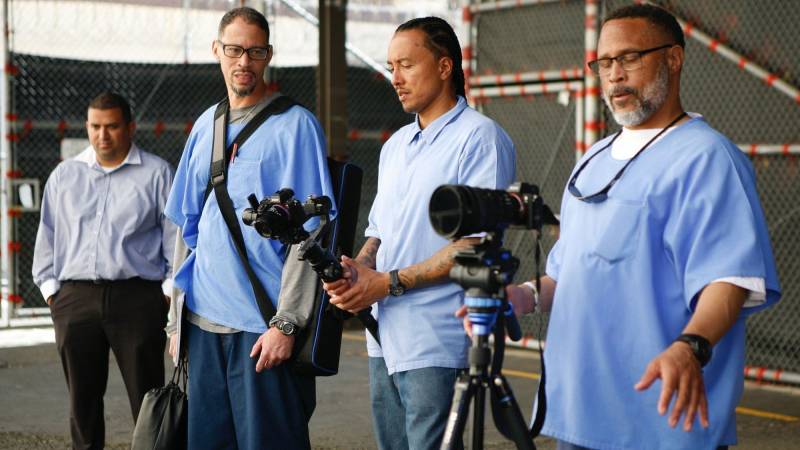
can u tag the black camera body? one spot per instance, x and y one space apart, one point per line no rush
281 216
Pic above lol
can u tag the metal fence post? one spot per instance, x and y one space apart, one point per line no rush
6 308
332 76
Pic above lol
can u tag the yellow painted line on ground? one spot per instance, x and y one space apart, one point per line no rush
766 414
535 376
521 374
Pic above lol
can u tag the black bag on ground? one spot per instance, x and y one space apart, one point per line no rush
163 416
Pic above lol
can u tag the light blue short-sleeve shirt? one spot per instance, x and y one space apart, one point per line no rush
628 272
418 329
287 151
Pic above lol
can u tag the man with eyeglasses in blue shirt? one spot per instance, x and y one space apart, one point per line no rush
102 250
663 253
242 393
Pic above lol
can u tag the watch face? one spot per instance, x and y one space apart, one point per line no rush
396 291
287 328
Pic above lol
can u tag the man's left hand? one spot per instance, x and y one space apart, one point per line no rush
682 378
369 287
272 348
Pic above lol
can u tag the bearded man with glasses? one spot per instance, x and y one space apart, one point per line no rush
663 254
242 393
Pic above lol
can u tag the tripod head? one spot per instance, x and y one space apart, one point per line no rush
484 271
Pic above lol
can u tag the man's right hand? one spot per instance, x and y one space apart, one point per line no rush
521 299
340 286
462 313
50 300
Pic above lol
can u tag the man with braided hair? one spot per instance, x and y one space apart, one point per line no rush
403 268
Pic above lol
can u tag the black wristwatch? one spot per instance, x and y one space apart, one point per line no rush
284 326
699 345
396 288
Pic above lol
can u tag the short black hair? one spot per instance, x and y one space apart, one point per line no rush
247 14
657 16
442 41
112 100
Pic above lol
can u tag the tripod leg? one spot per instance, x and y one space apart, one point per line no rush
462 395
507 416
478 410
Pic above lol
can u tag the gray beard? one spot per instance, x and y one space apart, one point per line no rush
653 97
243 92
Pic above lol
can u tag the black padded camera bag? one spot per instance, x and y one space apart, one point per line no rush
317 348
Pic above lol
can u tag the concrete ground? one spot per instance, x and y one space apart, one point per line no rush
33 404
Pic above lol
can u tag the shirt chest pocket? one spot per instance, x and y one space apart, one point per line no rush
614 229
244 178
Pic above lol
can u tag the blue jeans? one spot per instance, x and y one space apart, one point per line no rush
410 409
233 407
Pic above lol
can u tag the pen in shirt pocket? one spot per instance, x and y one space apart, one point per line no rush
233 153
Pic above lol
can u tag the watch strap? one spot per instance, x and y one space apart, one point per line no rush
532 286
701 347
396 287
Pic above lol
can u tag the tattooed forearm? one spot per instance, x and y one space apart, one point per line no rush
369 252
435 269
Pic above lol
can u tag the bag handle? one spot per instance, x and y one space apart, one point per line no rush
180 375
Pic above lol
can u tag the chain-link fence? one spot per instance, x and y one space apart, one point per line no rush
169 76
748 106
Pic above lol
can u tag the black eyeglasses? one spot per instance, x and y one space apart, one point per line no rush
236 51
629 61
602 194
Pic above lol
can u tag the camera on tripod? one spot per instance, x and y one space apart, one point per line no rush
484 271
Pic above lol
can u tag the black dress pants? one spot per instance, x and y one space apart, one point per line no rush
90 317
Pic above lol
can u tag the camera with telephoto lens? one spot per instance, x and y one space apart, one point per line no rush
484 270
458 210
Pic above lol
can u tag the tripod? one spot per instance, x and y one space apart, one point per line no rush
484 272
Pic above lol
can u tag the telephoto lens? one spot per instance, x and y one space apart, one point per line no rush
457 210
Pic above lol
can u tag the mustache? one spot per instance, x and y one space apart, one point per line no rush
620 90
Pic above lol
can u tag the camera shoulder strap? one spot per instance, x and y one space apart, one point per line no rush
220 156
219 160
541 397
541 402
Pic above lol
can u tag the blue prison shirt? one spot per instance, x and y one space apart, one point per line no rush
418 329
286 151
628 273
